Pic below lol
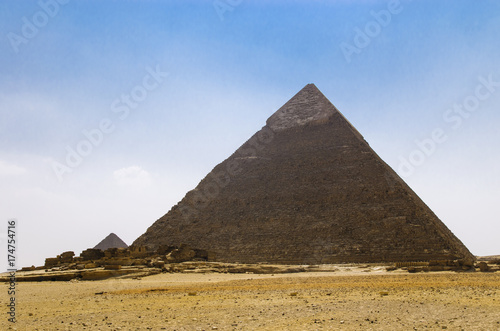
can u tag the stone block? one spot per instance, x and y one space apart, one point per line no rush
51 262
112 267
92 254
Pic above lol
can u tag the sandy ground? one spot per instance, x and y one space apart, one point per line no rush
345 300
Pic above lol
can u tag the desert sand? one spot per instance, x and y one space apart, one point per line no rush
355 299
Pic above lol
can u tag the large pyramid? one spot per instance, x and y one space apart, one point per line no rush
111 241
306 188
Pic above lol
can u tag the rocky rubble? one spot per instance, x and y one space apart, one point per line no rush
447 265
138 261
95 264
138 271
131 256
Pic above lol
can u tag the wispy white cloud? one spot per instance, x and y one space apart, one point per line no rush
7 169
132 176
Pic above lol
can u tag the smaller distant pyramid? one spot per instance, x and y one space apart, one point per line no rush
111 241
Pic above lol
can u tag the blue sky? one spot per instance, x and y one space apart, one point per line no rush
220 69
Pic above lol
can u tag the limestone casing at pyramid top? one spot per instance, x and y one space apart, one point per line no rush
308 105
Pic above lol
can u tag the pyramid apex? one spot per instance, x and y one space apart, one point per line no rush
111 241
308 105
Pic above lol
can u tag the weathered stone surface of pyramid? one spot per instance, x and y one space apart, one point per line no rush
111 241
306 188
